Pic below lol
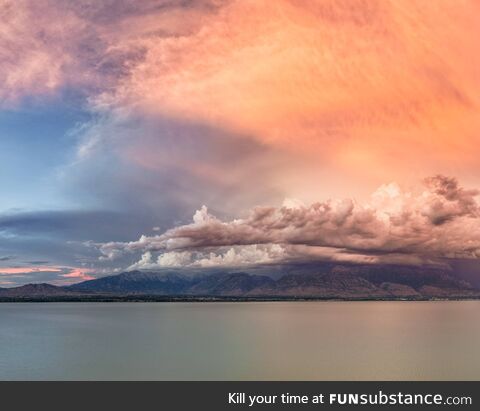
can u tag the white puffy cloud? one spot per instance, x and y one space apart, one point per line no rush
236 256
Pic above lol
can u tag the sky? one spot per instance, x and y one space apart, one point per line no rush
162 134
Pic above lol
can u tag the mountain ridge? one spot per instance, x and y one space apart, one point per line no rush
326 282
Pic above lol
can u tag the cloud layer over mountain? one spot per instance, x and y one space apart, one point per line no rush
440 221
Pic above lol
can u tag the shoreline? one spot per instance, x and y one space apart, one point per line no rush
210 299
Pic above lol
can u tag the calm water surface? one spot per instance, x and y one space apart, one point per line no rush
241 341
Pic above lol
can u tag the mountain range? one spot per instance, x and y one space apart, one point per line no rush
321 281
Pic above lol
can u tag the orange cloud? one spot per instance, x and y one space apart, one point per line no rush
274 68
345 87
356 85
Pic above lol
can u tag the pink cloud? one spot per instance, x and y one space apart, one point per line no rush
78 274
65 274
32 56
329 76
46 45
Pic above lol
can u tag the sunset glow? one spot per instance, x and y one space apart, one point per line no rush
363 114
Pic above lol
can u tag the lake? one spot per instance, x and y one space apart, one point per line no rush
240 341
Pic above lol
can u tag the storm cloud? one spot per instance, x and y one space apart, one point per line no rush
440 221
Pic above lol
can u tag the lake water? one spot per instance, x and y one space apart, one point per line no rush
241 341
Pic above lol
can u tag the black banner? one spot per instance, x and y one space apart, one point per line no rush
238 396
